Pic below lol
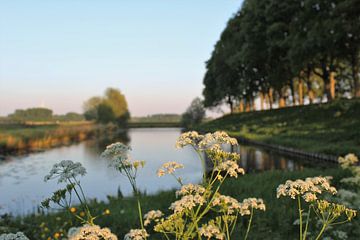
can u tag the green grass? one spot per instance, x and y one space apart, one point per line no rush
275 223
332 128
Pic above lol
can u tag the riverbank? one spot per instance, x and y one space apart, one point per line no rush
332 128
24 138
120 215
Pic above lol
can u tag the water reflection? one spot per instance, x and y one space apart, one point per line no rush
21 178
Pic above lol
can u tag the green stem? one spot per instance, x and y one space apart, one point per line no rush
300 217
140 214
249 225
307 223
321 232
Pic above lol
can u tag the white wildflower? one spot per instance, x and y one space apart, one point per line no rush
169 168
13 236
91 232
187 202
227 204
152 215
231 168
315 185
349 160
190 189
64 170
211 231
136 234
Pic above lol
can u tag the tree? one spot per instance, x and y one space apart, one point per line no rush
194 114
105 113
91 108
110 108
116 100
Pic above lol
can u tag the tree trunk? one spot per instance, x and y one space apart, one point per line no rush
231 104
271 98
241 105
247 105
311 96
292 89
261 101
301 93
326 78
332 85
267 101
253 104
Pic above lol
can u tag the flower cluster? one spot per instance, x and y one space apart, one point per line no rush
65 170
227 204
211 231
136 234
190 189
231 168
186 203
13 236
169 168
91 232
153 215
116 151
334 210
251 203
203 142
308 188
349 160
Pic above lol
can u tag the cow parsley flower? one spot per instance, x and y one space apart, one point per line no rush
64 170
91 232
169 168
152 215
211 231
187 202
315 185
231 168
13 236
190 189
136 234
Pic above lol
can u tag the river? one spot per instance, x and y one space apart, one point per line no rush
21 177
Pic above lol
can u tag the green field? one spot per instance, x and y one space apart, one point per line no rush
275 223
332 128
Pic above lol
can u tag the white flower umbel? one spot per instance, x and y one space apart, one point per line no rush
118 154
136 234
68 172
91 232
64 170
13 236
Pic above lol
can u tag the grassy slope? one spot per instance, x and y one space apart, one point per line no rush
323 128
275 223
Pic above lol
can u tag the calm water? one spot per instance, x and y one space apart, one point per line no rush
21 178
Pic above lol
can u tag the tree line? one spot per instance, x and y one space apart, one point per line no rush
40 114
284 52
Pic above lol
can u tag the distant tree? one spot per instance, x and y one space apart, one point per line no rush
194 114
105 113
91 108
110 108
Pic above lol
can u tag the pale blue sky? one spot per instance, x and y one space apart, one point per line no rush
58 53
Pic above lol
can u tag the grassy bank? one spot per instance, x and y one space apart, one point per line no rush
33 137
275 223
332 128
